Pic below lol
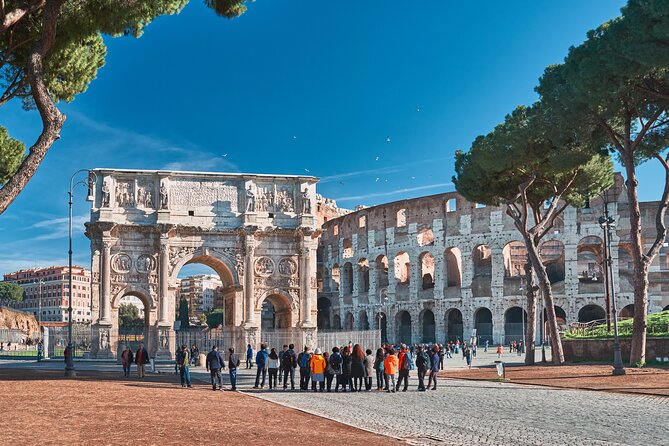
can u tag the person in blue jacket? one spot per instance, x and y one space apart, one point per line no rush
261 363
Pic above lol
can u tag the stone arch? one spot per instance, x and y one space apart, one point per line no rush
454 325
453 267
221 263
363 320
382 271
561 317
425 237
335 277
283 305
324 306
591 313
552 256
336 322
426 261
347 244
133 290
403 324
402 268
483 324
347 278
627 312
349 321
136 335
482 263
515 324
429 326
363 275
515 257
589 264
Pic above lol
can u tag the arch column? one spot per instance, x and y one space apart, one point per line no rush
249 313
439 276
373 285
105 305
355 267
163 319
392 281
308 281
415 278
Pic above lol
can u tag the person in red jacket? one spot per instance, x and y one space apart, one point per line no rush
404 361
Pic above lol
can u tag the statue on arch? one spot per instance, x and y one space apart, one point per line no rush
306 202
163 197
250 200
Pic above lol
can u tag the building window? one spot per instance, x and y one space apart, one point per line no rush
362 221
480 205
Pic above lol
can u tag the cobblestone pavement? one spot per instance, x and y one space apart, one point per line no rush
486 413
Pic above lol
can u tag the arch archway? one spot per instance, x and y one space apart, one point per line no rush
515 324
552 256
483 324
591 313
627 312
324 309
363 320
426 260
403 323
454 325
429 326
363 276
349 321
347 278
482 263
135 332
382 271
275 306
453 267
336 322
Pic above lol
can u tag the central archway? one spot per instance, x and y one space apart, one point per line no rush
403 322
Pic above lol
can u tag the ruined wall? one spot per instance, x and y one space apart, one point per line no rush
18 320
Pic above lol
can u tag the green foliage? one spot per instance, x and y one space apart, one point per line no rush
10 292
658 326
128 316
12 153
184 314
215 317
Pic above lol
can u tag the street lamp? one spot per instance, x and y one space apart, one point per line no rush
607 223
69 350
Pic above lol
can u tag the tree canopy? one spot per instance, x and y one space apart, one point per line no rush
10 292
128 316
51 50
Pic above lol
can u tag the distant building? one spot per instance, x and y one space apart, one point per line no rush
199 291
48 289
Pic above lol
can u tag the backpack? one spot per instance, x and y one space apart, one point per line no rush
406 361
335 362
304 360
426 360
287 360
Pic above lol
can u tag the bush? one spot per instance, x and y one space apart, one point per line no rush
658 326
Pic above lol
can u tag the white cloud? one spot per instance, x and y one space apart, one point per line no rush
379 170
59 227
394 192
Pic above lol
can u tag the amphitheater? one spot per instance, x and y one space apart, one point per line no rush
434 268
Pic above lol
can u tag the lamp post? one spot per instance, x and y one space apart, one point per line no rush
607 222
69 350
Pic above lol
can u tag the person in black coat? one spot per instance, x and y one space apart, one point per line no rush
346 369
141 359
215 364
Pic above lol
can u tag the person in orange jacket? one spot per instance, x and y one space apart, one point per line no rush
389 370
499 350
318 365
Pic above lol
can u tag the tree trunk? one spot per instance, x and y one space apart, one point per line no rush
530 333
638 347
545 284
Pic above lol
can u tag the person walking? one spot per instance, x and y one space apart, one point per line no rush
337 361
303 360
346 369
141 359
405 362
283 350
261 364
194 354
485 346
273 367
289 362
317 364
357 367
249 356
441 355
499 351
521 350
467 353
214 364
233 364
449 350
40 350
329 372
432 380
389 370
369 370
378 367
457 346
126 360
474 347
184 367
423 364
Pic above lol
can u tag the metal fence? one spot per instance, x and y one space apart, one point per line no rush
17 343
366 338
81 339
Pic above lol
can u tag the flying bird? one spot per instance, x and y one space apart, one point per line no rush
388 139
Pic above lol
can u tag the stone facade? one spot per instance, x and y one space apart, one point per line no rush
437 267
258 232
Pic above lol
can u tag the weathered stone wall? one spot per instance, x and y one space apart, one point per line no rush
602 349
436 267
18 320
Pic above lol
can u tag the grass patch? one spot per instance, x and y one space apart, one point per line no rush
658 326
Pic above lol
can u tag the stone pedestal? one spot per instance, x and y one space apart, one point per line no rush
250 218
102 342
165 343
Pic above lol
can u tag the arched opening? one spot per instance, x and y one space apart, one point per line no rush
454 325
515 258
363 276
403 322
336 322
483 324
427 270
402 268
589 254
347 279
348 248
552 256
382 324
349 321
425 237
382 271
205 294
561 317
515 324
133 320
276 313
335 279
627 312
363 320
591 313
482 261
429 327
453 267
324 310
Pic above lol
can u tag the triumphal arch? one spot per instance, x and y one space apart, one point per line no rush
258 232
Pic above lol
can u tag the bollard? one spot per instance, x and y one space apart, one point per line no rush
153 364
501 370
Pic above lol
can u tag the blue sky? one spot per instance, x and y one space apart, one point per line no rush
296 86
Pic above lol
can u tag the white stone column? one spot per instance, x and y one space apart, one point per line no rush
307 270
415 277
439 276
392 281
105 305
249 271
163 313
373 285
356 279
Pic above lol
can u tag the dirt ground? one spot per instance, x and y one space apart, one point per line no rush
42 408
649 380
